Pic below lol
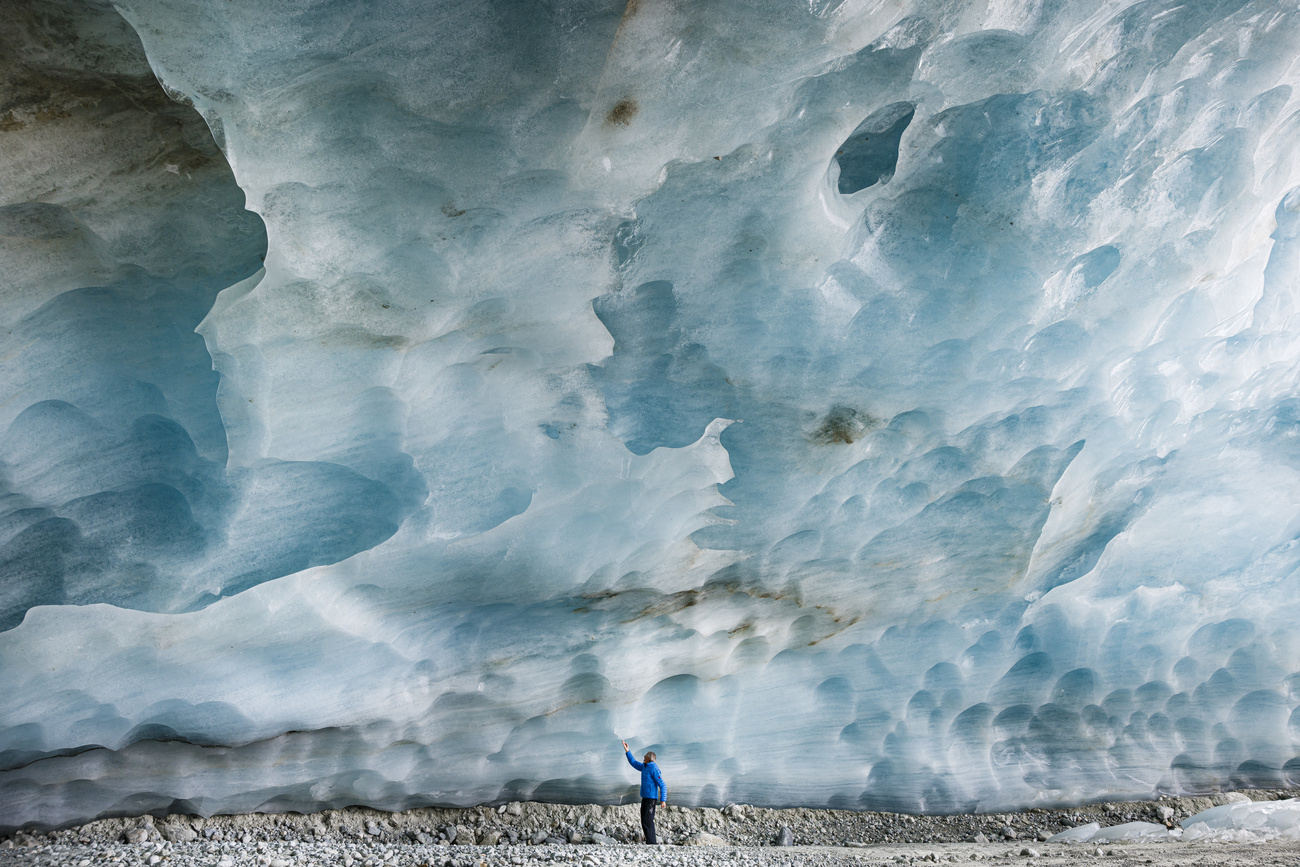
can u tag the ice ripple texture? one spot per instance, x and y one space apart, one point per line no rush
882 405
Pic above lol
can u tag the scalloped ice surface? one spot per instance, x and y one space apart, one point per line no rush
882 405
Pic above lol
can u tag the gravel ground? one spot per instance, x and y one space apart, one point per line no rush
507 835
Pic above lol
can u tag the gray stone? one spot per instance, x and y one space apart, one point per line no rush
515 808
538 838
177 831
1223 798
786 837
980 838
602 840
704 838
1028 853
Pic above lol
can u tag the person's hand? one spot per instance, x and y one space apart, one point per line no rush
625 747
663 803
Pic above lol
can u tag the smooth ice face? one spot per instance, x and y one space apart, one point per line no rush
858 404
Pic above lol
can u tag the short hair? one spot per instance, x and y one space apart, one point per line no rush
649 757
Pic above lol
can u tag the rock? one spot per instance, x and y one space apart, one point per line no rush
460 834
538 838
1223 798
373 830
1042 836
1008 833
704 838
786 837
279 862
575 836
178 831
136 835
450 832
1028 853
980 838
489 838
602 840
515 808
554 841
1166 814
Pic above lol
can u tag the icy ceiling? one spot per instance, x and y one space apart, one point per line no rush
877 404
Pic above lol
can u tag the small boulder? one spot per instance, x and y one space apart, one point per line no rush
786 837
514 808
538 838
704 838
177 831
489 838
1224 798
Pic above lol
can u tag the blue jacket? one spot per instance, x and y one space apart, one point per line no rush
652 782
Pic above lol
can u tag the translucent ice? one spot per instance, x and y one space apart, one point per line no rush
877 405
1249 822
1244 821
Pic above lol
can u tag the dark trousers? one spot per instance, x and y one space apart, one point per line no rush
648 819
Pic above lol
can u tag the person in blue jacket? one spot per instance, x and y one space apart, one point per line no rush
652 790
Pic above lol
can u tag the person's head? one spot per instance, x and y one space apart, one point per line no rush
649 757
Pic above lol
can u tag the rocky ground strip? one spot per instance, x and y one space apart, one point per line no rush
532 833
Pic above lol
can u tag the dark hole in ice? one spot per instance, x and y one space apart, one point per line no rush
622 113
870 154
843 424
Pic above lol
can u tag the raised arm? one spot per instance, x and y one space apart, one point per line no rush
631 761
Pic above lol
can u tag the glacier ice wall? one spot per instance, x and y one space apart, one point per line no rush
883 405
